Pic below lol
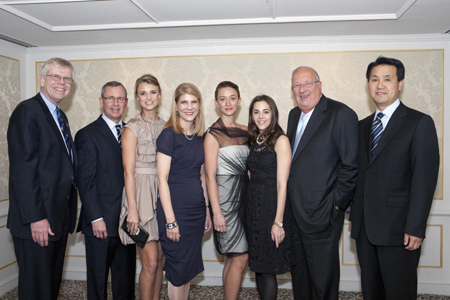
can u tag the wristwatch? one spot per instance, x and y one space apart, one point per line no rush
279 224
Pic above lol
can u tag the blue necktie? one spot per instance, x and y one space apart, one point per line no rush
65 131
300 129
377 130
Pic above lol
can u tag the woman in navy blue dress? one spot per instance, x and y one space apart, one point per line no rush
182 211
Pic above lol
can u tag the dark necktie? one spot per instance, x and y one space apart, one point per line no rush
119 133
65 131
377 130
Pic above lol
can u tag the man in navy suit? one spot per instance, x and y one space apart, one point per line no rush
100 181
42 191
397 176
324 140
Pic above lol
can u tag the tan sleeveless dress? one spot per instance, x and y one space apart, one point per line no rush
146 132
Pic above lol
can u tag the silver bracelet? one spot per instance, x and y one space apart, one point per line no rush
217 216
171 225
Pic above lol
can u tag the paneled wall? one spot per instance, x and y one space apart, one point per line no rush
263 67
9 98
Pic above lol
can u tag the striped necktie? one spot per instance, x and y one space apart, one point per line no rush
119 134
377 130
65 131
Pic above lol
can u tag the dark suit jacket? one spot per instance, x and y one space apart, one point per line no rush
40 171
395 186
100 177
323 170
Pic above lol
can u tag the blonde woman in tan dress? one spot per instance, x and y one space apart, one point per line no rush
141 189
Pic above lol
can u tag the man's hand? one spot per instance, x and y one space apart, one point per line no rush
99 229
412 242
40 231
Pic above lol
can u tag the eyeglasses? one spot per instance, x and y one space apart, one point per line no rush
112 99
307 85
56 77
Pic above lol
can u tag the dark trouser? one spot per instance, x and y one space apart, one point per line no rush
103 254
386 272
40 268
316 272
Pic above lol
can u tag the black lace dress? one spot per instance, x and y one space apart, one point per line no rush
264 257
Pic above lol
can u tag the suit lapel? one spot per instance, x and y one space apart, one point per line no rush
52 122
314 122
293 129
107 133
367 128
395 123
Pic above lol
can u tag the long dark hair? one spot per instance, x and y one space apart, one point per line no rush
272 132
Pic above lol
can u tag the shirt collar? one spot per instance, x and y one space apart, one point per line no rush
51 106
111 123
389 111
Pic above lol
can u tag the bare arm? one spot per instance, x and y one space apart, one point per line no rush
211 155
163 163
283 151
129 144
205 193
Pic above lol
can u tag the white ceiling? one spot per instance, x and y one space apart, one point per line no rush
87 22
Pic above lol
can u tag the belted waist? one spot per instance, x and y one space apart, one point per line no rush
147 171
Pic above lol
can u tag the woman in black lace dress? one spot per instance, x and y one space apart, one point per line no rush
268 214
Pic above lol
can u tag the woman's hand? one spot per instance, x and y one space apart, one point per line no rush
207 221
173 234
220 224
132 221
277 235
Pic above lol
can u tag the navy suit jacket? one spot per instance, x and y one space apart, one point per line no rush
41 171
100 177
324 166
396 184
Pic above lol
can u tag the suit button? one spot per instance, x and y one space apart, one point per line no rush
67 197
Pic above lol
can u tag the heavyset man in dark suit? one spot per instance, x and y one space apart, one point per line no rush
398 170
100 181
324 139
42 192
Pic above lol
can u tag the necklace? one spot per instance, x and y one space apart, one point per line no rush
189 139
259 140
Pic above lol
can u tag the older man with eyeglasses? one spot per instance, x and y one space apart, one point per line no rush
100 180
324 140
42 190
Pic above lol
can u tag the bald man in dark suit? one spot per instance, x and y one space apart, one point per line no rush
324 138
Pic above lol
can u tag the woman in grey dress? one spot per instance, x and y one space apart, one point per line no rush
226 151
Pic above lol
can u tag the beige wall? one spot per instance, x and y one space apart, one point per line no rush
342 74
9 98
343 77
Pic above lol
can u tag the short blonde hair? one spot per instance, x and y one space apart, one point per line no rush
174 119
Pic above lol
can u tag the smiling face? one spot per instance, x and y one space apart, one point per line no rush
228 101
55 91
148 96
384 86
306 98
187 107
262 115
113 110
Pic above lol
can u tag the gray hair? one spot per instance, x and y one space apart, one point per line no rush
305 67
112 84
59 62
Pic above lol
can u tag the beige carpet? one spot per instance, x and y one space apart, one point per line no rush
75 290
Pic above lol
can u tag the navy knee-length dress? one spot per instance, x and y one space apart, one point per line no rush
184 258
